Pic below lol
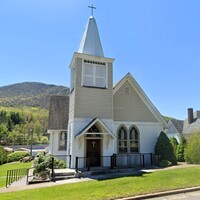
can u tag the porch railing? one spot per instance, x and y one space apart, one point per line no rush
86 163
118 161
15 175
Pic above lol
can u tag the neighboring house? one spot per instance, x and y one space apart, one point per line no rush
175 129
178 128
98 120
192 123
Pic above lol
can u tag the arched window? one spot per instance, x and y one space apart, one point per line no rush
134 140
122 140
128 141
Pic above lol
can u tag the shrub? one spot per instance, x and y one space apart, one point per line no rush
192 154
164 148
43 163
165 163
174 144
180 152
17 156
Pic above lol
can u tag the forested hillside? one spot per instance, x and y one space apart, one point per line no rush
29 94
23 109
17 125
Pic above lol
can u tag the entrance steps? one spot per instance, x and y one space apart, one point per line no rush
62 174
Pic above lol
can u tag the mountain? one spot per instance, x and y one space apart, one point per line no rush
29 94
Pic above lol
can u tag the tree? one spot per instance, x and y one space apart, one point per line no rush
192 154
164 148
44 140
3 133
174 144
3 155
180 152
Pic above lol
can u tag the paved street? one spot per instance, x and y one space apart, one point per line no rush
185 196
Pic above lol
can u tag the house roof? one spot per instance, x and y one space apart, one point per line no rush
58 113
178 125
105 129
143 97
189 128
91 43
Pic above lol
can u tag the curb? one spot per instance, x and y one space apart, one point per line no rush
160 194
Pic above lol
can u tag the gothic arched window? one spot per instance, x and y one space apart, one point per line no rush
122 140
134 140
128 141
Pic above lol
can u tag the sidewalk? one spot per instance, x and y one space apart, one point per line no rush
21 185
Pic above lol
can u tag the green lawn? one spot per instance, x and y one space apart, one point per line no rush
114 188
10 166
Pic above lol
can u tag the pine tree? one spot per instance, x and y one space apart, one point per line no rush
164 149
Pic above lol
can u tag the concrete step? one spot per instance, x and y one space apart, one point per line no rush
62 174
58 178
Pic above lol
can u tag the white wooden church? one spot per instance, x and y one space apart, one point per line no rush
98 119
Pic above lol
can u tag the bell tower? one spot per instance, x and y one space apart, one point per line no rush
91 95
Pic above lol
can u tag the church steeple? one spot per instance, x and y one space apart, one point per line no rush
91 43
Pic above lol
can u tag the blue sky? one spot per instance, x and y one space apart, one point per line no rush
157 41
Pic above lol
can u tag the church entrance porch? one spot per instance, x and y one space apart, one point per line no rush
93 152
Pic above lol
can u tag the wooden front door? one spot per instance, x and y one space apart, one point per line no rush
93 152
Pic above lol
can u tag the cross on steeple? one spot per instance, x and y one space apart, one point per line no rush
92 7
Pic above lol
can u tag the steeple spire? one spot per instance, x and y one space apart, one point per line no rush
91 43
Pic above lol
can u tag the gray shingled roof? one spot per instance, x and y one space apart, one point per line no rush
189 128
178 125
194 126
58 112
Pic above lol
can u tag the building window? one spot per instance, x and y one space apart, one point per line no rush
128 142
122 140
94 74
134 140
63 141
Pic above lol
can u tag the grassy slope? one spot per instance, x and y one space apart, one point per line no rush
115 188
10 166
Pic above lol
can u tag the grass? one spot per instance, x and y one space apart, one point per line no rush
10 166
114 188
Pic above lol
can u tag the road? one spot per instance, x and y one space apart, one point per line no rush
185 196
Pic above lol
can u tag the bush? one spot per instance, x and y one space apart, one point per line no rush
180 152
17 156
192 154
174 144
164 149
43 163
3 156
165 163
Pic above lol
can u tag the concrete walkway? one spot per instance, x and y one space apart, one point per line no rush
21 185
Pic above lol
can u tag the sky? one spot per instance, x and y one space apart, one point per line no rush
157 41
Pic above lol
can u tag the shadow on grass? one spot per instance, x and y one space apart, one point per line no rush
103 177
